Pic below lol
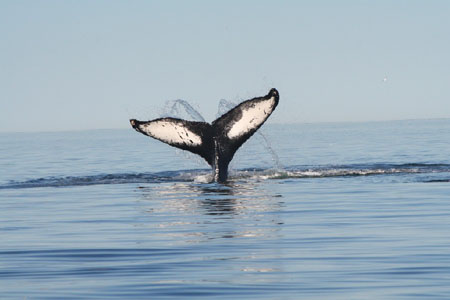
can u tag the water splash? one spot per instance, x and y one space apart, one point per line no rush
224 106
181 109
273 154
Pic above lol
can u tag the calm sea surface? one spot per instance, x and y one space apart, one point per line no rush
312 211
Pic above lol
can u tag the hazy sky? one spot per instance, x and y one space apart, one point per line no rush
94 64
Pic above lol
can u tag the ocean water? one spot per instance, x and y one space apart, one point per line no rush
311 211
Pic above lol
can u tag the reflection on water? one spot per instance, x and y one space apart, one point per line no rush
222 224
211 211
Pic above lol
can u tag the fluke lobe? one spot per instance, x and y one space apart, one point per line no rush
216 142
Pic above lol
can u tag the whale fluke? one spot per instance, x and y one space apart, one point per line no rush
216 142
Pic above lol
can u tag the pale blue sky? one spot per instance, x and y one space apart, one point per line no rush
68 65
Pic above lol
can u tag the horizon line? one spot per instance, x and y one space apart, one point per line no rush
269 123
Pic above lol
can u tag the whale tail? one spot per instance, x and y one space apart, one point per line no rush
216 142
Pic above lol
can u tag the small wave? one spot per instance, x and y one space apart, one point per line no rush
204 175
344 170
121 178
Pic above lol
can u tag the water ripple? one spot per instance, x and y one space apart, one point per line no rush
204 175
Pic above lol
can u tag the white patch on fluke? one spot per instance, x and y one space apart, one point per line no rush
171 132
252 117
